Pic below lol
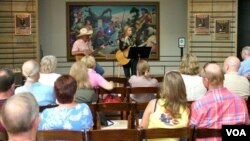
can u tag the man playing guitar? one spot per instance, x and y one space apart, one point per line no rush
83 46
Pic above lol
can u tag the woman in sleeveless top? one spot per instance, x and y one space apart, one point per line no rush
170 111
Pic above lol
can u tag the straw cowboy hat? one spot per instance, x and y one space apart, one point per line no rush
85 31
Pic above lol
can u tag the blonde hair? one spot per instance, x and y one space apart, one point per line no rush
48 64
189 65
142 67
125 29
173 92
89 61
80 72
30 69
213 72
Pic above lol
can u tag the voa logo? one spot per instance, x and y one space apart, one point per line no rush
236 132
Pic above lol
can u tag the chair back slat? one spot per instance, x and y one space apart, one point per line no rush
207 133
48 135
114 135
154 133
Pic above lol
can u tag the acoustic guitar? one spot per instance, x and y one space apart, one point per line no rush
121 56
78 57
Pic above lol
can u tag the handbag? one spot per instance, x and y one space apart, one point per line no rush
112 99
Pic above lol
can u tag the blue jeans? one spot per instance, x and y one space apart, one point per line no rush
99 69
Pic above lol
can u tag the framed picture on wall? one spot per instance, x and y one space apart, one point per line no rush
107 20
201 24
222 30
22 24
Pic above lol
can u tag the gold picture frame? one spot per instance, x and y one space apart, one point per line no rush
22 24
202 24
222 29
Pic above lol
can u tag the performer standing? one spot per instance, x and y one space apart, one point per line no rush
83 46
125 43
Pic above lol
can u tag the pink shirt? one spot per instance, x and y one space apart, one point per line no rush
96 80
81 46
218 107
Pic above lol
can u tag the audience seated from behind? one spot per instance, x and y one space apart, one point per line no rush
170 111
68 114
219 106
189 68
43 94
233 81
244 69
20 121
48 66
84 93
96 80
142 79
7 87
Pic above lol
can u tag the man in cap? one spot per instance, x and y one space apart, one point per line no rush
83 46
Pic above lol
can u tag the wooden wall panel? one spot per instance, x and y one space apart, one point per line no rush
15 49
206 46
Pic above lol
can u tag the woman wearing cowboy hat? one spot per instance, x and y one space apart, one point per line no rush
83 46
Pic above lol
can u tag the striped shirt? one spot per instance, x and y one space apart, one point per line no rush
218 107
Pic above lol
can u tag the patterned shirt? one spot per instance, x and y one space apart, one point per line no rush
71 118
218 107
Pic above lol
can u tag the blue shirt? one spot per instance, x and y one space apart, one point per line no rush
245 67
70 118
43 94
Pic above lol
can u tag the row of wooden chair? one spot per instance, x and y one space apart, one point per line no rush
127 134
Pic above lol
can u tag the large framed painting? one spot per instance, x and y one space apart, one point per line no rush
107 20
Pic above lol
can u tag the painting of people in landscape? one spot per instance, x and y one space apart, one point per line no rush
107 21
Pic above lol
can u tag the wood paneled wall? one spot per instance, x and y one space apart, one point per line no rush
206 46
15 49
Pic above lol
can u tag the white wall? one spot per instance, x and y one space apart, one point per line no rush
173 24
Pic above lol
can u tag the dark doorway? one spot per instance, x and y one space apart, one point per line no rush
243 25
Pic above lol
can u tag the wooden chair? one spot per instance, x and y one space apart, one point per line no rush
69 135
113 135
206 133
117 91
155 133
3 136
41 108
113 107
141 106
119 81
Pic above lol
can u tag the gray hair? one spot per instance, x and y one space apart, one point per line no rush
48 64
19 113
246 50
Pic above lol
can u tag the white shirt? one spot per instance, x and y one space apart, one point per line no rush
48 78
195 88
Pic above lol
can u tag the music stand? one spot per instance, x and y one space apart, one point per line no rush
139 52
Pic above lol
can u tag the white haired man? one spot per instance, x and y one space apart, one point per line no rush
22 121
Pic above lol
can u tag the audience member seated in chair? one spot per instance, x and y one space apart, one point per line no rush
84 93
48 66
7 87
43 94
142 79
231 67
96 80
68 114
219 106
170 111
189 68
21 121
